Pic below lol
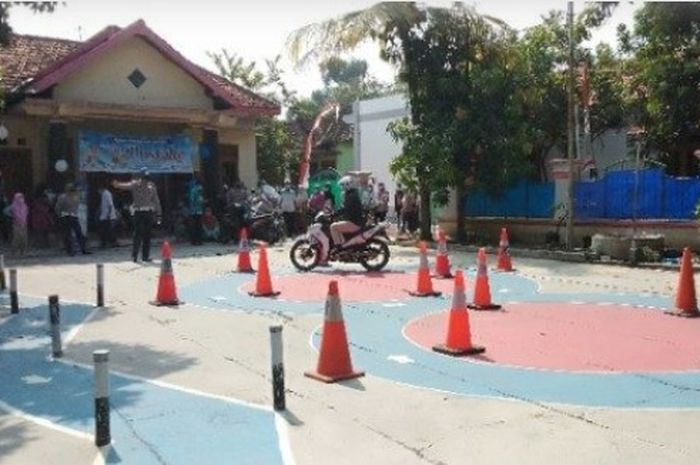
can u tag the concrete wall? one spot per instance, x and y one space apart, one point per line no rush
104 80
532 232
35 133
374 148
247 158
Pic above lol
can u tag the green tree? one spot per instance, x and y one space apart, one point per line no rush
469 125
663 77
276 145
542 54
391 25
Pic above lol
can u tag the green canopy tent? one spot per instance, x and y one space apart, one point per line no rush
325 177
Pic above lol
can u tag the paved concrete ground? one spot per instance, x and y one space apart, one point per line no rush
225 353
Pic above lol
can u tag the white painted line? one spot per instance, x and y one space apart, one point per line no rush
44 422
174 387
283 437
74 332
400 359
102 454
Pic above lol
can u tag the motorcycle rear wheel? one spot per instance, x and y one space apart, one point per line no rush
305 255
383 255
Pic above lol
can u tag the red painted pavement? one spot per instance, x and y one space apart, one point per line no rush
354 287
575 337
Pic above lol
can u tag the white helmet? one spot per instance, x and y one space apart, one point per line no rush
346 183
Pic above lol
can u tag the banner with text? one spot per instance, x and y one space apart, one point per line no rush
126 154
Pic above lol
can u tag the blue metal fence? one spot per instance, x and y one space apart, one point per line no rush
526 199
659 197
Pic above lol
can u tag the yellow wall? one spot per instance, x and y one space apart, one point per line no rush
104 80
245 139
36 134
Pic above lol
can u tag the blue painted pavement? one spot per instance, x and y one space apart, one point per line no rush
151 424
375 332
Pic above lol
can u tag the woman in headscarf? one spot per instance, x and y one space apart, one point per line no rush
20 212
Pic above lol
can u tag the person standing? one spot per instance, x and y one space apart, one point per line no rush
288 206
410 212
20 212
4 219
382 203
147 211
398 206
107 216
196 208
67 210
302 204
42 219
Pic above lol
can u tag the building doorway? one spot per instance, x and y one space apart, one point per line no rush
16 166
228 158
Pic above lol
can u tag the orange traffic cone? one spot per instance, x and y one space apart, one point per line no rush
459 338
263 283
442 261
244 265
425 283
334 362
686 302
482 290
167 294
503 261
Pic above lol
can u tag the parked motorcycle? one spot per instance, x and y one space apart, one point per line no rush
368 247
262 225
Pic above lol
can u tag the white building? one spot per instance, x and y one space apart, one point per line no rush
373 146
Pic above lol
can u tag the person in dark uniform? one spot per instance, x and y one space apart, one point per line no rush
147 212
67 211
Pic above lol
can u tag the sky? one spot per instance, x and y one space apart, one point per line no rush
258 29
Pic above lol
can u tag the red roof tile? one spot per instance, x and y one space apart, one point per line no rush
26 55
45 61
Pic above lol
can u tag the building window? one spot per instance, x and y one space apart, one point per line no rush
136 78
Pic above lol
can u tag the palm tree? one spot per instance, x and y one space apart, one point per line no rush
392 25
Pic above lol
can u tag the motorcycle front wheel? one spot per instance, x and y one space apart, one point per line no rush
305 255
380 254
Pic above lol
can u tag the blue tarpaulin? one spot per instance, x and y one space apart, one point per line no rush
526 199
658 197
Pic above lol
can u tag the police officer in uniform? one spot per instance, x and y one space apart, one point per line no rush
147 211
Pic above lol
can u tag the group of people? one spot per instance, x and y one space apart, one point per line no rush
196 217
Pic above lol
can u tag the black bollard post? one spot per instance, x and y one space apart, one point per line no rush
55 319
100 285
102 431
277 367
14 301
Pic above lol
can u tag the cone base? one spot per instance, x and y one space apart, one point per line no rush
424 294
166 304
267 294
484 307
455 352
332 379
684 313
250 271
499 270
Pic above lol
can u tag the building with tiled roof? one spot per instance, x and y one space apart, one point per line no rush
119 101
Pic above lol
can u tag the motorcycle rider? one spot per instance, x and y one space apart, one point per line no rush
352 213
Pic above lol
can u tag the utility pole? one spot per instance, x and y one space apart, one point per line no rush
570 132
